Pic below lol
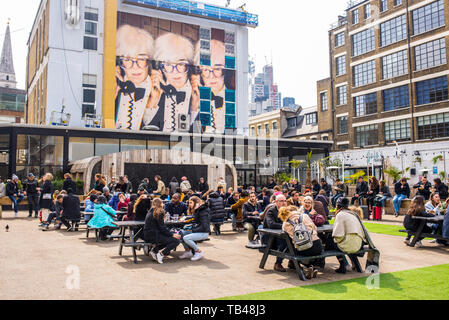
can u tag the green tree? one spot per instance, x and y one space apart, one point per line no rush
297 163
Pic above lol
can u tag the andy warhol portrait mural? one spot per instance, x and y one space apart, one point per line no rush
174 77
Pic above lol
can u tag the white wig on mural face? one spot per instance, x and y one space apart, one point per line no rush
132 42
171 47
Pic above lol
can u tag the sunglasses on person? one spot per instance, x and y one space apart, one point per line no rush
128 63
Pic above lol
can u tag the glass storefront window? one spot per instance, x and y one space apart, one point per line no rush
126 145
106 146
80 148
4 149
28 150
52 150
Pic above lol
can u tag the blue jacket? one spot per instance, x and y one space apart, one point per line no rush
103 217
90 206
113 203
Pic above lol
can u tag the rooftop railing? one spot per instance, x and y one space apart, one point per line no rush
202 10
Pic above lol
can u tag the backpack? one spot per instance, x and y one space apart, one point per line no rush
302 237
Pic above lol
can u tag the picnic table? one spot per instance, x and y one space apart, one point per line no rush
290 255
132 235
419 233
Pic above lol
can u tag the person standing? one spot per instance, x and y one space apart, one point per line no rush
221 183
200 230
402 190
13 193
45 201
423 187
185 185
217 210
32 191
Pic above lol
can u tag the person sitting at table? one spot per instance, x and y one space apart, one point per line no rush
251 218
107 194
307 208
175 206
155 231
294 199
141 207
290 216
166 196
103 219
349 234
238 208
56 215
122 206
445 232
130 215
90 206
200 229
434 205
160 186
217 209
417 209
324 200
98 185
271 220
71 212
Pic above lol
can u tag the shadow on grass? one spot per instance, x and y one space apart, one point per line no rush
386 281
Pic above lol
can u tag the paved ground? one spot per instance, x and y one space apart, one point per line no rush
39 265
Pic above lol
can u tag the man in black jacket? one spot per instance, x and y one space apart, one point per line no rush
69 183
360 192
272 221
217 210
32 191
272 184
423 188
13 193
251 218
326 187
71 211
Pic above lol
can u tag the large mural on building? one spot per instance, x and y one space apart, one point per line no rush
174 77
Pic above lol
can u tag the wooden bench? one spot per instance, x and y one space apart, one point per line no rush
419 234
5 201
289 253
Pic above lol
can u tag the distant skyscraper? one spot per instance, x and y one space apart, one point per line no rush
289 102
265 95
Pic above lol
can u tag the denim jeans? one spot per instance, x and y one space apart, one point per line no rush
397 202
383 199
335 198
189 238
33 203
446 225
15 202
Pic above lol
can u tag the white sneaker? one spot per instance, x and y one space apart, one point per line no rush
154 255
186 255
407 242
197 256
419 244
160 258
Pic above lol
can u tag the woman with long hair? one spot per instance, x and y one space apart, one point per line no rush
45 202
99 183
200 230
417 209
434 205
374 189
290 215
156 232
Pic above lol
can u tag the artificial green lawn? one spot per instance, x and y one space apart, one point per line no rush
388 229
429 283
